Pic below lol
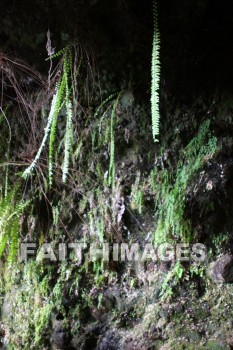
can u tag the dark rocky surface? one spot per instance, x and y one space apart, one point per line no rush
126 306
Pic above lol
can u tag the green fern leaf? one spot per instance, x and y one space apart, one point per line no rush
59 104
68 141
30 169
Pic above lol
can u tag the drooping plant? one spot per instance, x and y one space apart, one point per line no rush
62 97
109 137
52 136
155 75
68 139
54 103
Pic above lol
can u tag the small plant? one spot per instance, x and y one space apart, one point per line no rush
219 242
106 131
197 270
171 280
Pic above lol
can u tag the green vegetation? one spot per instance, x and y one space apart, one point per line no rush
62 97
171 189
33 304
11 211
171 280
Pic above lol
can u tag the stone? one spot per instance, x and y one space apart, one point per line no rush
223 269
60 339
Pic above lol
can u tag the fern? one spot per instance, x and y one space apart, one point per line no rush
59 103
56 54
51 148
108 99
68 141
155 73
30 169
3 243
61 97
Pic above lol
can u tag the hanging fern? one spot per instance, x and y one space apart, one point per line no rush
59 104
57 54
108 99
51 148
62 97
155 73
30 169
68 140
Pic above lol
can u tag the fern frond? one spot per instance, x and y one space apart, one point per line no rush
56 54
68 140
155 74
59 104
61 96
3 242
30 169
67 68
109 98
51 149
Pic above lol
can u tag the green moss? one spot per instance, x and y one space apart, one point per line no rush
11 211
171 189
32 300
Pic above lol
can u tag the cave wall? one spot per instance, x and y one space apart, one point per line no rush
65 306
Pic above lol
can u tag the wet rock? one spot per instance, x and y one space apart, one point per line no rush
109 342
60 334
107 304
223 269
7 306
61 339
230 341
134 344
